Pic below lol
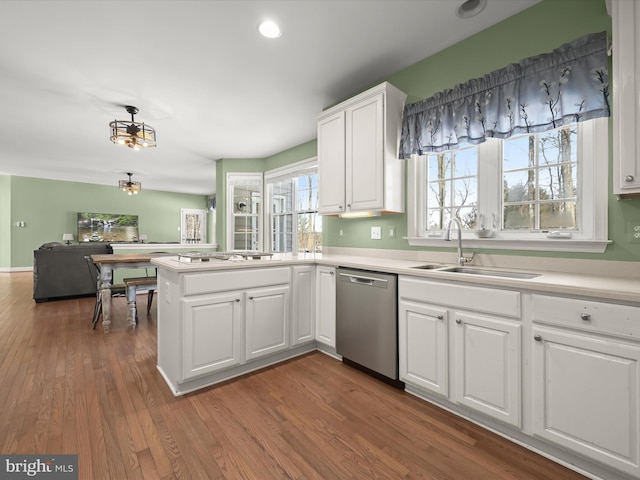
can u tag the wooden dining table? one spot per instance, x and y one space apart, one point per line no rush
107 263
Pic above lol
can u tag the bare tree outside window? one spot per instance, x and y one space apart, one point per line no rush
452 188
540 181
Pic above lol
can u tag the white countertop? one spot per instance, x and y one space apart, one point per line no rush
607 288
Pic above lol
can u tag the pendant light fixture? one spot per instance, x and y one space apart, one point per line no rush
133 134
132 188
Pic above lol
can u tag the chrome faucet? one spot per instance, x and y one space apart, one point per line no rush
461 258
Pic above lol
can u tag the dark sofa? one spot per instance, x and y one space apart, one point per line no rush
61 271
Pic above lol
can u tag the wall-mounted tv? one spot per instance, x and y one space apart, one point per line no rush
107 227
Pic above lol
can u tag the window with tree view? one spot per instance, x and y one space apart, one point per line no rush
532 187
295 223
452 188
540 175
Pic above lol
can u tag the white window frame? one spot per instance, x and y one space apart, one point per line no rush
285 173
593 167
239 179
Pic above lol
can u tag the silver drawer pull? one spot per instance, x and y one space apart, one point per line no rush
628 178
458 321
537 338
585 316
440 317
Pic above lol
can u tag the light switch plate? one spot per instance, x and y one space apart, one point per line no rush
376 233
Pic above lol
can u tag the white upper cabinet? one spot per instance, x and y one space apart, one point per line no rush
626 96
358 165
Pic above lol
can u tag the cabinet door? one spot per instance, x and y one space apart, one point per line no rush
211 336
626 91
267 321
326 305
586 395
304 314
423 346
486 372
331 164
365 155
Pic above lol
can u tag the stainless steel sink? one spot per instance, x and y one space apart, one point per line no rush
427 267
490 273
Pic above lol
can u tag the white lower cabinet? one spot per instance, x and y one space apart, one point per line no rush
474 360
486 373
326 305
424 346
303 308
266 321
212 333
579 362
586 385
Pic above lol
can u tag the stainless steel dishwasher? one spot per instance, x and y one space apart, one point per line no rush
367 321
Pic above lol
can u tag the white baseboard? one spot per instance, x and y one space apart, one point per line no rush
15 269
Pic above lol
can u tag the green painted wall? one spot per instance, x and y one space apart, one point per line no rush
295 154
6 225
539 29
49 209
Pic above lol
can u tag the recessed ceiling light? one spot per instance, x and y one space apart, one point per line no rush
471 8
269 29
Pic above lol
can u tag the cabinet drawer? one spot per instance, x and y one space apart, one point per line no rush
478 299
598 317
207 282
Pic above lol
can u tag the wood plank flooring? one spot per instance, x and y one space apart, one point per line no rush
65 388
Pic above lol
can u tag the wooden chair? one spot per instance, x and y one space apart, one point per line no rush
116 290
150 284
132 285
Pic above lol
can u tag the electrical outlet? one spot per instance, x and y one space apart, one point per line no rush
392 231
376 233
633 229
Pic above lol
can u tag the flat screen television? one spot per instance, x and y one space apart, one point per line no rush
107 227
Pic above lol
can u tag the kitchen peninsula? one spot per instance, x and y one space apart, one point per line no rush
519 328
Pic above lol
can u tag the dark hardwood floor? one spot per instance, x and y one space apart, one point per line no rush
65 388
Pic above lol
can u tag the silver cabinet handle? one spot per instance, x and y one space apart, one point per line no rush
332 273
440 317
458 321
628 178
250 298
585 316
237 299
537 338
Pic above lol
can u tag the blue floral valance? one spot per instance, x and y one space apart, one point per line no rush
539 93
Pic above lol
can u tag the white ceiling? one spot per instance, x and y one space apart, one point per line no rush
200 74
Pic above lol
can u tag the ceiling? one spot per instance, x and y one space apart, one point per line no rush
200 74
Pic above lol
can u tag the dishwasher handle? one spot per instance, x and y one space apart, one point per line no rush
362 280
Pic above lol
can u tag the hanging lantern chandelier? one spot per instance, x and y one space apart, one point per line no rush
132 188
133 134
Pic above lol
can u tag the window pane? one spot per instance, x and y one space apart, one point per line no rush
518 152
519 186
309 232
437 218
439 194
439 166
518 217
558 215
558 182
465 162
466 192
468 216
